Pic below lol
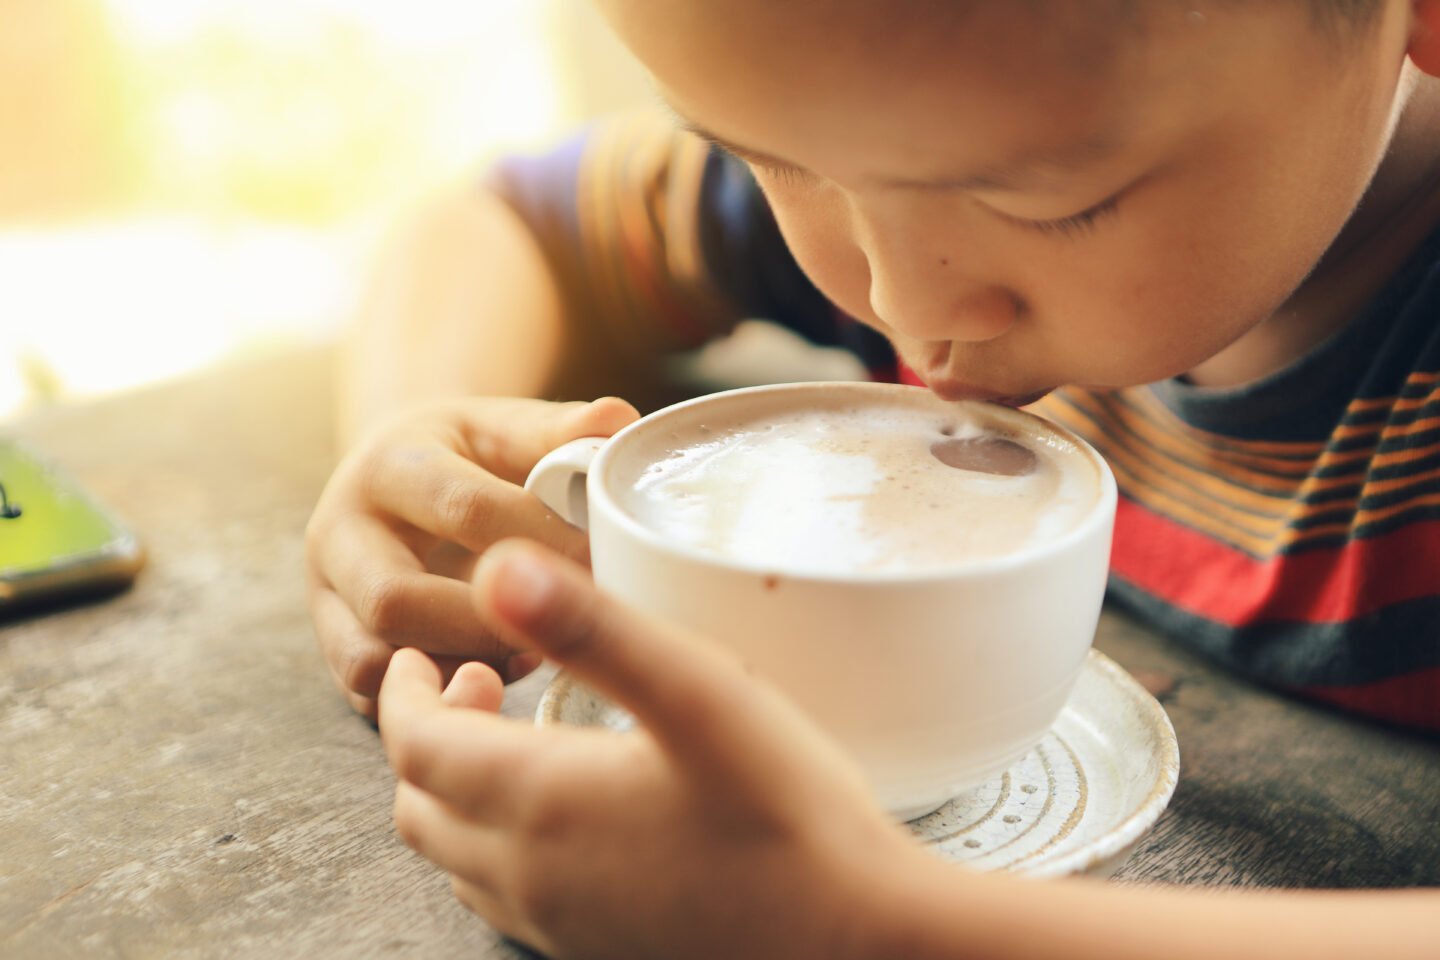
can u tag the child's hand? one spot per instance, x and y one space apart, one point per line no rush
728 827
411 508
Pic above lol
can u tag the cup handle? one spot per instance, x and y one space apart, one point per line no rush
558 479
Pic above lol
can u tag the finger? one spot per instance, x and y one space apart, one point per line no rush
494 911
508 437
356 658
367 707
396 601
691 695
445 494
468 758
445 838
474 687
358 661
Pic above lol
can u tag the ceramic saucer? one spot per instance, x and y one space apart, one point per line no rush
1077 803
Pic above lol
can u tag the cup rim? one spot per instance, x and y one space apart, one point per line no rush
1100 514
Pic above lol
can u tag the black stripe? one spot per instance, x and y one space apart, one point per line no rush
1393 498
1321 518
1378 528
1328 541
1345 492
1409 441
1222 445
1158 459
1351 444
1401 518
1185 491
1399 418
1362 418
1415 387
1396 640
1413 468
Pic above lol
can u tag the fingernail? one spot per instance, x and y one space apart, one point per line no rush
523 585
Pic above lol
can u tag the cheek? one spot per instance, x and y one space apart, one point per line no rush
817 229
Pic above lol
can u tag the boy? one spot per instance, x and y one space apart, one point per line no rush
1234 201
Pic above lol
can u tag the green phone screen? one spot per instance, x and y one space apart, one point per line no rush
49 525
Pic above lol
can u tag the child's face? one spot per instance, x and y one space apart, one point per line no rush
1023 195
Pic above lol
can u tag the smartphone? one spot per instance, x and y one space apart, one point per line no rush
56 540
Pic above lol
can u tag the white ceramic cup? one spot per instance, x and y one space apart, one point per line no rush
934 680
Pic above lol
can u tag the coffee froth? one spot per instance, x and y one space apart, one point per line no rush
836 487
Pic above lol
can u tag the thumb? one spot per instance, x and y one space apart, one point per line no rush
507 435
691 695
598 418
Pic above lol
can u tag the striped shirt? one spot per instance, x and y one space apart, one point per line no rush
1289 528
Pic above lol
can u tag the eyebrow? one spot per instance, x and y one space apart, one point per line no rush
1011 175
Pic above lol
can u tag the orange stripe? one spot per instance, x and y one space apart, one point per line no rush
1406 455
1193 476
1371 403
1418 425
1136 425
1067 414
1254 543
1417 379
1361 458
1220 517
1255 449
1212 446
1380 460
1241 452
1282 473
1348 431
1375 516
1359 518
1414 426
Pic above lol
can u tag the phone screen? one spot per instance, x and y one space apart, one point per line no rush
55 538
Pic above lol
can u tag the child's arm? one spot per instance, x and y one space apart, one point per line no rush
732 828
471 303
463 302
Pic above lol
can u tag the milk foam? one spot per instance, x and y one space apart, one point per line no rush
844 490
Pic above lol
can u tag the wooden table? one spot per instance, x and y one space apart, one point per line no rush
180 779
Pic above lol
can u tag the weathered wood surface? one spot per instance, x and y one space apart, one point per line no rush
179 779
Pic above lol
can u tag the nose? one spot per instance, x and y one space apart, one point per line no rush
923 288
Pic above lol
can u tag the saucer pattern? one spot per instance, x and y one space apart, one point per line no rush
1078 802
1016 818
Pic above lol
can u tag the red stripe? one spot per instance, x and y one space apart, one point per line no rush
1412 699
1193 572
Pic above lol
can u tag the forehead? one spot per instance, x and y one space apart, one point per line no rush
808 77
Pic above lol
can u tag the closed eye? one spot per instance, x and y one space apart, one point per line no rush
1075 225
782 172
770 166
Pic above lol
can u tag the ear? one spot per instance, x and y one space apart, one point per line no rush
1424 50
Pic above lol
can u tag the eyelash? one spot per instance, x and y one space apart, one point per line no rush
1070 227
789 175
1073 226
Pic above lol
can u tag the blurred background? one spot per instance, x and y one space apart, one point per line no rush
183 181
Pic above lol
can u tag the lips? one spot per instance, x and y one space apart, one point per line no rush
1024 399
949 388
